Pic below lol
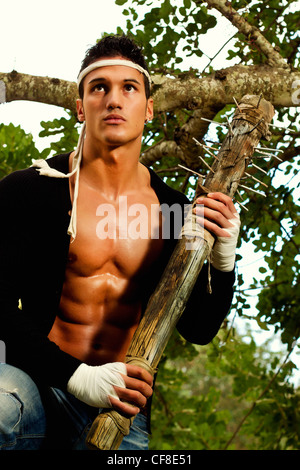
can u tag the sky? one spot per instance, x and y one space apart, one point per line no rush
51 38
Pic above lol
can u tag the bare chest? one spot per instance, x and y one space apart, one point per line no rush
118 237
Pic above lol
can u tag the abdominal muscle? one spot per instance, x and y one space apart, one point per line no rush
96 320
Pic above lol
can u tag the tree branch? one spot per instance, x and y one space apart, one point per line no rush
21 86
210 92
274 59
164 148
219 88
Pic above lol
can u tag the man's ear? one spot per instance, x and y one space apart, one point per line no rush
149 109
80 111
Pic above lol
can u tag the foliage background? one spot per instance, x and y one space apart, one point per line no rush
238 392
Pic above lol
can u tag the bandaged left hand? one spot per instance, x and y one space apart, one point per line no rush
217 214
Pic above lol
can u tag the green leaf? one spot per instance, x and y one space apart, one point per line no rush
261 324
262 269
187 4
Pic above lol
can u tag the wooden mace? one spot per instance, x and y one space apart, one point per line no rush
249 124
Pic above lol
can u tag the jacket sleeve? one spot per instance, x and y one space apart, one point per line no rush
205 311
23 330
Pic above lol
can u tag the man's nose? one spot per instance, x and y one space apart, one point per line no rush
114 99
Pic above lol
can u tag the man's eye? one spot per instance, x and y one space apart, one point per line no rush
98 87
129 87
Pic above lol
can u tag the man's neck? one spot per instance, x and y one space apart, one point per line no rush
114 171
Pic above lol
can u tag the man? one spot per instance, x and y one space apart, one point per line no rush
73 289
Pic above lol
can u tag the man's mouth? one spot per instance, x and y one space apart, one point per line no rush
114 119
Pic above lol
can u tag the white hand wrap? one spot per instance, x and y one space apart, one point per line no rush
94 384
223 252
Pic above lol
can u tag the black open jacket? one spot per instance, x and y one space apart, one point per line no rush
34 245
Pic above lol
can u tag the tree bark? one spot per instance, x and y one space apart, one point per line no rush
218 89
24 87
210 92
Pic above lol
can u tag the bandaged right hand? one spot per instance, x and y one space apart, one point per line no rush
95 384
104 386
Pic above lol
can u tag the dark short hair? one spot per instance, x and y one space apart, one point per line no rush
117 45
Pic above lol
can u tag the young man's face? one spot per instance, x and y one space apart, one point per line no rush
114 105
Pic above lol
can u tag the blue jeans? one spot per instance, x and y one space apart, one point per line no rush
34 419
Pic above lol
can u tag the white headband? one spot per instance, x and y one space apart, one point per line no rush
108 62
